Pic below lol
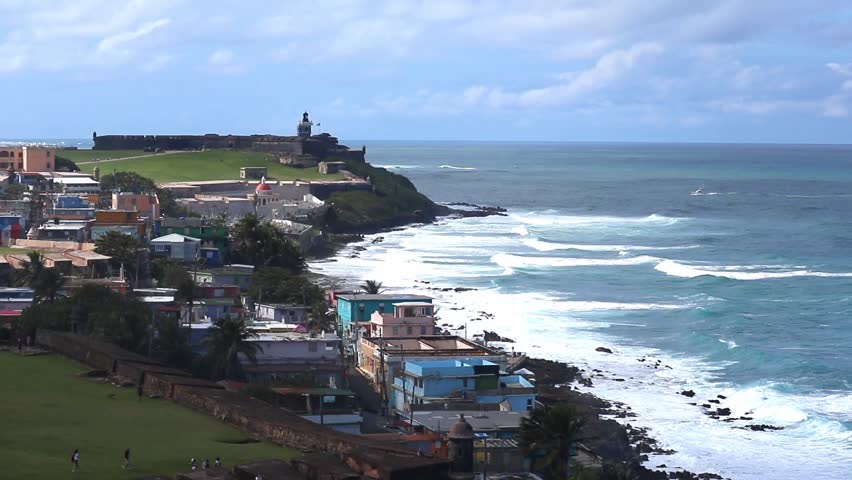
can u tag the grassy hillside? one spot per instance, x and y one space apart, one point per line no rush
83 156
49 411
207 165
394 201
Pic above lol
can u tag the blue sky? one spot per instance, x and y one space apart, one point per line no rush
644 70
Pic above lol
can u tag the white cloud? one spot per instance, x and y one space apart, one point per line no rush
120 42
608 69
222 56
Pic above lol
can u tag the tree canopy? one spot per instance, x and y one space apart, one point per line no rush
45 282
372 287
124 250
226 341
548 435
65 164
261 244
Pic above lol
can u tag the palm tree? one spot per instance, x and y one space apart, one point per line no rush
45 282
32 269
372 287
49 283
550 434
226 342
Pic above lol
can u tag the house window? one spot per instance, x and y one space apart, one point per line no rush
381 308
329 346
422 330
396 330
408 331
48 165
529 404
312 346
464 382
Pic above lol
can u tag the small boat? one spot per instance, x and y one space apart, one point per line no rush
700 191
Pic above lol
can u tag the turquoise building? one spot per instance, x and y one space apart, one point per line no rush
474 380
358 307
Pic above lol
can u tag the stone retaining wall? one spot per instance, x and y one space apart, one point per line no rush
372 459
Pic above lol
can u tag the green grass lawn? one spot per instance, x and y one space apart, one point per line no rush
207 165
48 411
79 156
8 250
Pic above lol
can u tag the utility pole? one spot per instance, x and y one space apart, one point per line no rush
404 379
383 382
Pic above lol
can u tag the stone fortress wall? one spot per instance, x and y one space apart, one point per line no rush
374 459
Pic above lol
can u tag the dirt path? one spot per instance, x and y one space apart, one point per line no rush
130 158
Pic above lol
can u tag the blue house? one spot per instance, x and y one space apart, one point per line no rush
358 307
476 381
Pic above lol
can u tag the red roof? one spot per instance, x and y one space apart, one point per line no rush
262 186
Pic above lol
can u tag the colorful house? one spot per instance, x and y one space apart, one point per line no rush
210 234
179 248
473 380
123 221
359 307
240 275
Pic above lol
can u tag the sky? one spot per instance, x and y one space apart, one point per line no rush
574 70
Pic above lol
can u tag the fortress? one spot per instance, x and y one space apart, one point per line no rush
302 149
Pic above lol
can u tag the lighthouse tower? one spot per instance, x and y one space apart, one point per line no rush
303 128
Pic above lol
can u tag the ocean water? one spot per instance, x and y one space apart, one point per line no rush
742 288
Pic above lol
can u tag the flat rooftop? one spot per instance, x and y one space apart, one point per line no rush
402 297
490 421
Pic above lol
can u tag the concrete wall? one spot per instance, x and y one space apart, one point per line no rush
378 460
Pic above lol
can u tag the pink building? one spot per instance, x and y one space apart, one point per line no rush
28 159
142 203
408 319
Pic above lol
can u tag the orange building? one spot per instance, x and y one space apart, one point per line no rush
147 205
124 221
28 159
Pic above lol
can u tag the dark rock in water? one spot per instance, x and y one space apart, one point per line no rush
723 411
688 393
495 337
746 418
709 476
463 289
705 405
378 239
618 379
603 350
643 458
692 403
762 428
662 465
714 401
721 396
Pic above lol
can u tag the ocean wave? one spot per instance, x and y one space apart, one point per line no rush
453 167
522 231
544 246
398 167
676 269
509 260
595 220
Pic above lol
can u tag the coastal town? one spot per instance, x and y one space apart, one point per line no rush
197 292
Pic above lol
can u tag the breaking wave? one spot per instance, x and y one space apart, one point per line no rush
508 260
544 246
676 269
453 167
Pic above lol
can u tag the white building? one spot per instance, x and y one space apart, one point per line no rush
179 248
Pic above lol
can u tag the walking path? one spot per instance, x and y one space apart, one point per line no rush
131 158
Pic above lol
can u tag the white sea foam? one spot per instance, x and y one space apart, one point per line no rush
522 231
517 261
534 218
561 326
453 167
730 343
544 246
684 270
398 167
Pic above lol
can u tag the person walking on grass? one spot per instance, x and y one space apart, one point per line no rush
75 460
218 462
126 458
193 464
139 392
205 464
